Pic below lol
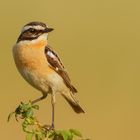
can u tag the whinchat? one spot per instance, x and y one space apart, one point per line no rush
41 67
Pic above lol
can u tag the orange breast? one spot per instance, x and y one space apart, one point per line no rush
39 44
32 57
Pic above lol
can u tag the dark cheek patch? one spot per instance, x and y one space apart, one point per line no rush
29 36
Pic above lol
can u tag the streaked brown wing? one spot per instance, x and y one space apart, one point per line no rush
57 65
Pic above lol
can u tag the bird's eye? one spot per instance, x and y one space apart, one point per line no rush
32 30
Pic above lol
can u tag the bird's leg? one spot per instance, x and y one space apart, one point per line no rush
53 109
39 99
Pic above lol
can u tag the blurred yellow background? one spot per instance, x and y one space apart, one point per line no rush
99 43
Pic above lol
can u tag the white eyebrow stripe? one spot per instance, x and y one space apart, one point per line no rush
38 27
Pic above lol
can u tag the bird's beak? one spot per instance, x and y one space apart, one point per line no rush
48 30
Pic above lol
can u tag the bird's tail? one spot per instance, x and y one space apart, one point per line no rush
73 102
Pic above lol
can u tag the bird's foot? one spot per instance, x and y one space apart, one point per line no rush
49 127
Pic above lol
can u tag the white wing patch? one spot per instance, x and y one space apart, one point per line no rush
49 53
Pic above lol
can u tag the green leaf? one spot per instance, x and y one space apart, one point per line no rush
29 136
10 115
76 132
39 136
25 127
66 135
29 121
51 135
35 107
61 135
70 137
29 113
85 139
58 137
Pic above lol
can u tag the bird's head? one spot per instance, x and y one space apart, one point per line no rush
34 31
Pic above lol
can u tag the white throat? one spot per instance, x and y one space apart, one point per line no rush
42 37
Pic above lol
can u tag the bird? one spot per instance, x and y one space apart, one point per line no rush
41 67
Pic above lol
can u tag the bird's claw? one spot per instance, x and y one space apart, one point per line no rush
49 127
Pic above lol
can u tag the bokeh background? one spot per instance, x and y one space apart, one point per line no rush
99 43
